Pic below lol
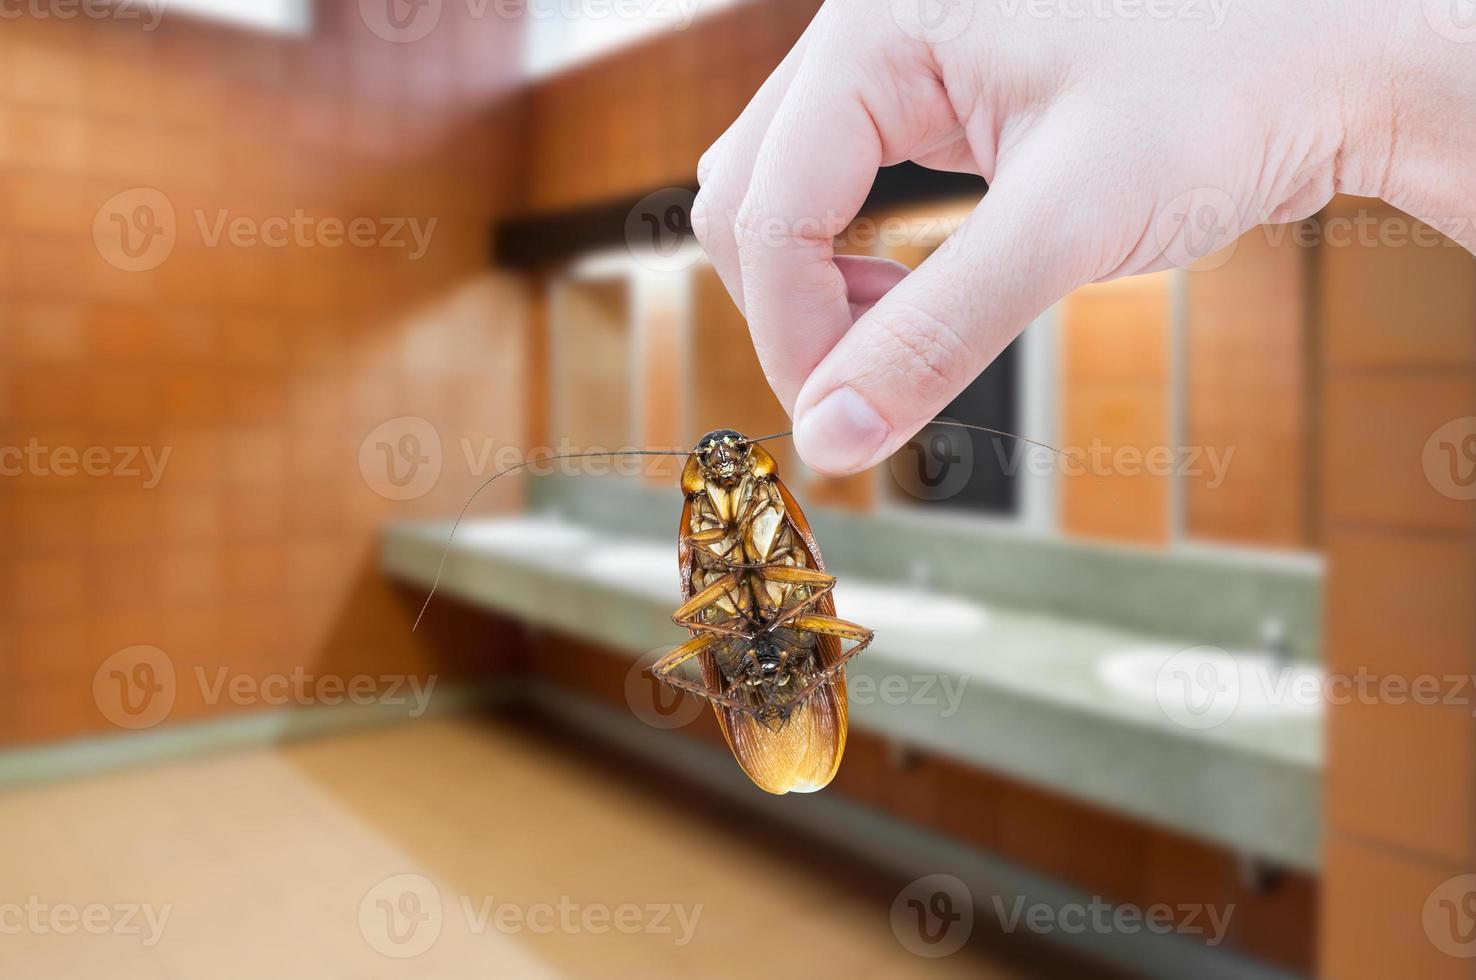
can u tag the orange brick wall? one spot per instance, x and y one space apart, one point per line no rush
1398 363
259 369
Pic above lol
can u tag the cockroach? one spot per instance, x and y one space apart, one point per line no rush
758 604
759 609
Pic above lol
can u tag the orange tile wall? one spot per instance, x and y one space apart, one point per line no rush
1398 363
260 370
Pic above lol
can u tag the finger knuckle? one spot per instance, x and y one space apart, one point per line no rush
705 216
924 346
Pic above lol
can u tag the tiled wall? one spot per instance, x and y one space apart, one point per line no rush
1249 389
1116 366
648 112
259 370
1399 372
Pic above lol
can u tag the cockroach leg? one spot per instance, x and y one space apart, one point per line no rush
696 645
686 615
818 583
830 626
833 627
702 691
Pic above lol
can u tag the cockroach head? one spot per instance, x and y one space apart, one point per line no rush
723 456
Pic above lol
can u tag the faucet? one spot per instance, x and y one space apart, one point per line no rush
920 575
1274 641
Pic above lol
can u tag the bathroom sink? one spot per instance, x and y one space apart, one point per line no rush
899 612
650 567
531 535
1205 686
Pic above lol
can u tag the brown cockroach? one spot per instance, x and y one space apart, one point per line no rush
758 607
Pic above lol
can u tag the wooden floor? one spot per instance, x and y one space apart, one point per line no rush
288 864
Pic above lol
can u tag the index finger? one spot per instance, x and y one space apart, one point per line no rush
813 171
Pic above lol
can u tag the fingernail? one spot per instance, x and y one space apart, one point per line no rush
841 434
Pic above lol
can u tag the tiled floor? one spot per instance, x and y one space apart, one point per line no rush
521 860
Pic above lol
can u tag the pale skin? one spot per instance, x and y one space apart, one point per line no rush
1112 144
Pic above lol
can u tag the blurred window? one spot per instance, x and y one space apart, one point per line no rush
563 33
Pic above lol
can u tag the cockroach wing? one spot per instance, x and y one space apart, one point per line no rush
803 754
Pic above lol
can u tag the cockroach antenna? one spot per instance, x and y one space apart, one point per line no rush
446 551
504 472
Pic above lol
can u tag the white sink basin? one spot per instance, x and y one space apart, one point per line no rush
645 566
524 535
904 613
1203 687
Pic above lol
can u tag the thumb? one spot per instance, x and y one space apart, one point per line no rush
1028 243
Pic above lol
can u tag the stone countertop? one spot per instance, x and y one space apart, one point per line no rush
1016 691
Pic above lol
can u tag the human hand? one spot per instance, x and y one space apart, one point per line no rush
1112 146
